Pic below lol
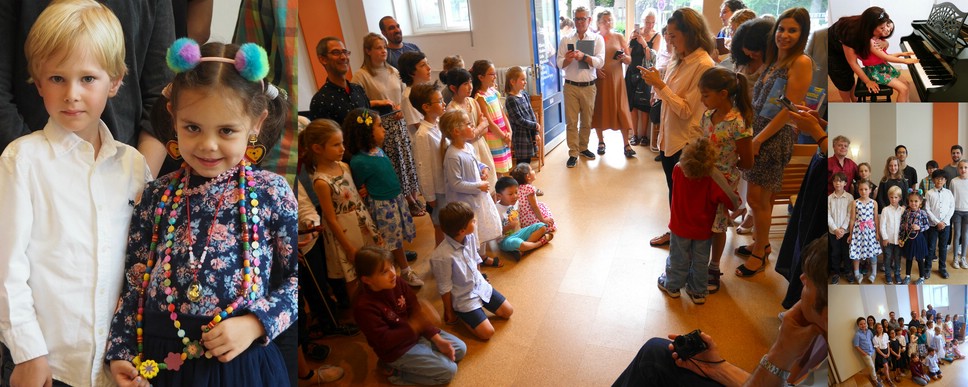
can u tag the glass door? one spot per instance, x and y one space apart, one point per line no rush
548 80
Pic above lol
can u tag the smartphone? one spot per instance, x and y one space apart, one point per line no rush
787 104
721 46
571 47
689 345
617 54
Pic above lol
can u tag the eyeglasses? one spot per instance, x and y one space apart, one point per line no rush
340 52
578 19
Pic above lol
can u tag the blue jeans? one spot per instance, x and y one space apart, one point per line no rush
959 226
938 239
423 364
892 261
688 265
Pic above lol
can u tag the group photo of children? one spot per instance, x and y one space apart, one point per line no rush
898 335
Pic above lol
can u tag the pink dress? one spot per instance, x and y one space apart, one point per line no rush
527 213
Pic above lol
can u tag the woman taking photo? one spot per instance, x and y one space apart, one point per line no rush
643 45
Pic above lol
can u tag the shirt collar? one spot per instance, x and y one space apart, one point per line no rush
695 55
453 243
63 141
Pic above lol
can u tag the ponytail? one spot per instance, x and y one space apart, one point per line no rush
742 100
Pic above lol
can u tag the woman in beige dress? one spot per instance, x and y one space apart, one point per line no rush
611 103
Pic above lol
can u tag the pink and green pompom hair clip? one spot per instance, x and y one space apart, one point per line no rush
250 60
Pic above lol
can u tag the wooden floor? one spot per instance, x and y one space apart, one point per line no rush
585 303
954 374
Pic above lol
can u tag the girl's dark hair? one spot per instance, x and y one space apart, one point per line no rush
520 172
734 5
751 35
736 86
317 132
357 136
861 27
216 78
370 259
802 18
457 77
407 64
478 70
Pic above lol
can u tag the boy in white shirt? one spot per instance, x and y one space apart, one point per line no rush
940 206
68 193
427 154
890 228
959 221
838 219
516 239
931 361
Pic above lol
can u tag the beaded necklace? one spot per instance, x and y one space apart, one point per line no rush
173 195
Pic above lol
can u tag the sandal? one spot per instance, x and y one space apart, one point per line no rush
538 192
495 262
745 251
601 148
634 140
629 153
546 238
660 240
416 210
743 271
713 285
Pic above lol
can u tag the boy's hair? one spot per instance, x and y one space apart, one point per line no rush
840 176
815 266
222 80
958 147
422 93
358 136
512 74
717 78
859 319
407 64
503 183
455 216
930 349
841 138
897 148
317 132
698 158
931 164
894 190
938 173
76 27
962 161
370 259
520 172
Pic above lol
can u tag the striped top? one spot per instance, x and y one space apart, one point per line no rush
499 150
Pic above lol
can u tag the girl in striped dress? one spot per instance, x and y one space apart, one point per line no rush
483 77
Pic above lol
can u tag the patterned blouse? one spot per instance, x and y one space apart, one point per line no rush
724 136
524 125
220 276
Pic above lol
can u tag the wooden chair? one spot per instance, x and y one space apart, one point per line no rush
792 179
537 103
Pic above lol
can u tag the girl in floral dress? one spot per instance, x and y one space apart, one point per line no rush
530 209
863 236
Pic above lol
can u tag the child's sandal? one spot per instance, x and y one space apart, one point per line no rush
495 262
547 238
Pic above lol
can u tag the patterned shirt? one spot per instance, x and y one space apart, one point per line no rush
524 125
724 136
334 102
275 307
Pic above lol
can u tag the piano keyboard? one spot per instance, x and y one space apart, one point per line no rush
931 70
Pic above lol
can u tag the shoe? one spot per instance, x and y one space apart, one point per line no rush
944 274
572 162
662 286
411 255
956 264
601 148
713 285
660 240
538 192
920 281
324 374
416 210
697 298
871 278
890 281
743 271
588 154
835 279
634 140
315 352
411 278
629 153
907 280
745 251
658 158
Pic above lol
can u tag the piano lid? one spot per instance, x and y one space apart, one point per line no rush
945 23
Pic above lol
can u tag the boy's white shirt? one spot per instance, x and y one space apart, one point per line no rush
62 252
838 211
891 223
940 205
429 161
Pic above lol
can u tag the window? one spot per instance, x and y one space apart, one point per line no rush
936 295
439 15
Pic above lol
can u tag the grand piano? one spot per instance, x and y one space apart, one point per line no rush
939 43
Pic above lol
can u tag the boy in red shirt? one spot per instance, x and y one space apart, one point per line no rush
697 189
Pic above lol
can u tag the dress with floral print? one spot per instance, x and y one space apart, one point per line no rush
352 215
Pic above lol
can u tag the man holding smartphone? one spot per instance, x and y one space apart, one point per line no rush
579 55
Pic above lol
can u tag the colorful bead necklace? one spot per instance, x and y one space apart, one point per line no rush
193 349
195 264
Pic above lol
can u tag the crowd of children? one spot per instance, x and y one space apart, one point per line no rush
892 349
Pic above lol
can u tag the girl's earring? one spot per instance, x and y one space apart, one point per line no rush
172 147
255 152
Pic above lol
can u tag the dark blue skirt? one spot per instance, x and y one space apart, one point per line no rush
916 248
257 366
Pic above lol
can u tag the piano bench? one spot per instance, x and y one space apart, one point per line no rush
861 92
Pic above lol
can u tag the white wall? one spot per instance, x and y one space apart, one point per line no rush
844 306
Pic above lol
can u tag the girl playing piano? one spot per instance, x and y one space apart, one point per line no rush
877 65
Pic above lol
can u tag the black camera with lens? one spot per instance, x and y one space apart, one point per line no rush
689 345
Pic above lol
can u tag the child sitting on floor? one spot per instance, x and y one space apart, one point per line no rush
932 364
918 374
461 286
530 209
516 239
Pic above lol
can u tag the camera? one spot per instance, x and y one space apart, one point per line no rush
689 345
618 54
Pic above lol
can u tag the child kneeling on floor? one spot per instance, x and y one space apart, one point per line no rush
400 330
462 288
516 239
697 189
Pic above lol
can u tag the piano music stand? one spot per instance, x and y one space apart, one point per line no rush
861 92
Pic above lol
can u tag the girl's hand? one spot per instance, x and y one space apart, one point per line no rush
849 237
484 186
445 347
756 147
126 375
506 137
916 227
484 172
911 60
232 336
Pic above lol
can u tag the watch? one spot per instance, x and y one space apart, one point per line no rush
783 375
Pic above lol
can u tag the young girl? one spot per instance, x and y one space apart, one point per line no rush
726 124
414 70
863 231
882 352
462 175
890 229
200 284
529 209
894 356
526 131
876 62
892 178
372 169
483 76
911 238
864 173
918 375
902 339
959 221
459 83
347 224
399 328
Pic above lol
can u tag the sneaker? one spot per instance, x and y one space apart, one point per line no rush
890 281
851 279
920 281
944 274
572 162
662 286
871 278
587 154
411 255
956 264
907 280
697 299
410 276
325 374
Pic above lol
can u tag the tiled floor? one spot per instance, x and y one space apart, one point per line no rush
585 303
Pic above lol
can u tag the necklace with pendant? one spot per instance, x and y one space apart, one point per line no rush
195 289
